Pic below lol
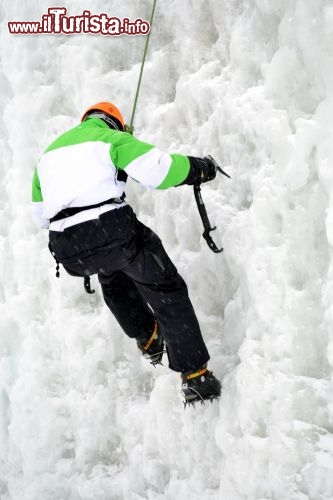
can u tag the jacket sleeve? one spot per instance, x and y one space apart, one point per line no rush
37 203
146 163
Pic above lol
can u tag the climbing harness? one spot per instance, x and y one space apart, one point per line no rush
130 128
68 212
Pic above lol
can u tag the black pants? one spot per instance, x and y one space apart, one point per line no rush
139 281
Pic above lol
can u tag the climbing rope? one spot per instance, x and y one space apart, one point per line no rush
130 127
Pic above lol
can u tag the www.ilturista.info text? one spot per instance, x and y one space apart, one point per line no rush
56 22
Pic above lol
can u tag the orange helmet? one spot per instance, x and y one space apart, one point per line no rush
109 109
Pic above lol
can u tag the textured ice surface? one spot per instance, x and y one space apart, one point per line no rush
82 417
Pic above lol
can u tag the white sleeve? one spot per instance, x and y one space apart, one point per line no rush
37 215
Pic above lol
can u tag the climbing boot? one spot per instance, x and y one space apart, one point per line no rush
152 347
200 385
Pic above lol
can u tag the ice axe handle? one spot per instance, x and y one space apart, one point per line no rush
204 217
203 212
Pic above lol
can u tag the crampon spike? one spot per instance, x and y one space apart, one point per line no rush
156 361
194 401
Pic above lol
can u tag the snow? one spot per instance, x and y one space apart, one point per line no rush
82 415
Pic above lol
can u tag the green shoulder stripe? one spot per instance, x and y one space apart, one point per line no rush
36 190
126 148
85 132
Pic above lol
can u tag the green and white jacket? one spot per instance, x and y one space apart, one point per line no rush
80 168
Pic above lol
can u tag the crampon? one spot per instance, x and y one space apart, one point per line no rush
200 386
153 347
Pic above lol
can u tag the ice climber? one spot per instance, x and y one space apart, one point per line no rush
78 194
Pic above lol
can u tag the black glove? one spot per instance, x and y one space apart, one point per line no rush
201 170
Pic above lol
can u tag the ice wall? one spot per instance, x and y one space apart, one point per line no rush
81 414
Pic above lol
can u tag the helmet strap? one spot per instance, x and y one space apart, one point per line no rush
106 118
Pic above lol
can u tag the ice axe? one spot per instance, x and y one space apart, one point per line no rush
203 212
